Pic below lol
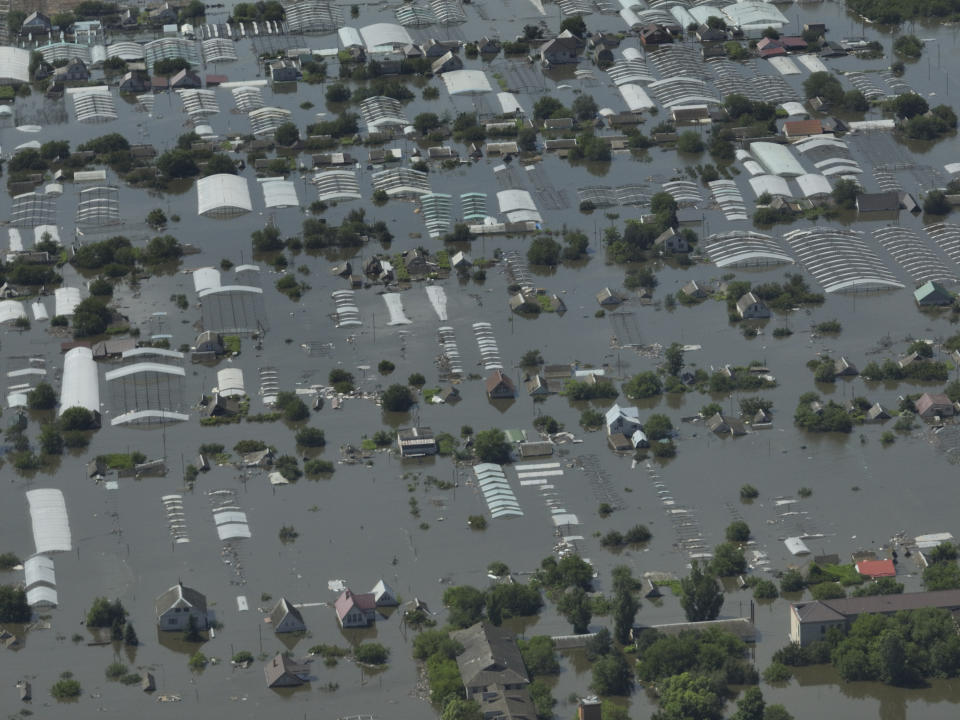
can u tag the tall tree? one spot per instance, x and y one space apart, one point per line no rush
750 706
574 605
700 596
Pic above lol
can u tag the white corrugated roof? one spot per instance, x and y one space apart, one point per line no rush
39 568
10 310
66 300
48 516
223 195
230 382
80 387
466 82
206 278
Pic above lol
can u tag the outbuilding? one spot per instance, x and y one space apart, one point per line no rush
285 618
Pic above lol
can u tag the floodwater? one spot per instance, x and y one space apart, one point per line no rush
356 525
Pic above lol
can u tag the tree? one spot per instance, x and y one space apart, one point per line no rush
690 141
42 397
416 380
170 66
103 613
178 163
13 605
574 605
491 446
792 581
219 164
612 675
575 25
643 385
527 139
547 107
584 107
65 688
371 653
908 105
700 596
625 607
728 560
130 638
599 645
90 317
77 419
156 218
461 709
531 358
544 250
776 712
825 85
935 203
686 696
658 427
397 398
424 123
673 359
293 408
310 437
908 46
750 706
539 657
464 605
286 134
738 531
51 441
337 92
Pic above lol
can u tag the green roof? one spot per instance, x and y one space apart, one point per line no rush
931 290
515 436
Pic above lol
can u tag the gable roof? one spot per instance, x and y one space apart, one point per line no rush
929 400
496 378
283 667
877 568
490 656
630 414
283 608
348 600
178 593
744 303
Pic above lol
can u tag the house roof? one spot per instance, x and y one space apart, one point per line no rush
178 593
888 201
348 600
794 128
630 414
282 666
281 610
817 611
877 568
895 603
496 378
490 656
747 300
932 290
929 400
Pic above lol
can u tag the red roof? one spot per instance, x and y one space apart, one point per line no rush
215 79
772 51
877 568
797 128
348 600
793 43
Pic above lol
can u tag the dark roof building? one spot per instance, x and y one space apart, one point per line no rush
880 202
490 657
286 618
500 386
416 442
809 621
285 672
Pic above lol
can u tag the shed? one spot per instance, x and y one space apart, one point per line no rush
619 443
608 298
932 293
535 449
877 413
879 202
446 63
416 442
844 368
802 128
877 568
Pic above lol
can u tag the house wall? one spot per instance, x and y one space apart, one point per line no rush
177 619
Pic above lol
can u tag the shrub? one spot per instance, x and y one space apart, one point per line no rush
66 689
310 437
477 522
738 531
397 398
372 653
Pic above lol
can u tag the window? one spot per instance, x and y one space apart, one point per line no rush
171 621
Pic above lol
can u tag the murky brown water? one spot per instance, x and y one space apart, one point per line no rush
356 525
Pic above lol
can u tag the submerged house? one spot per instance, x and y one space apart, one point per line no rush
177 605
283 671
500 386
285 618
490 659
383 595
622 420
750 307
355 610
